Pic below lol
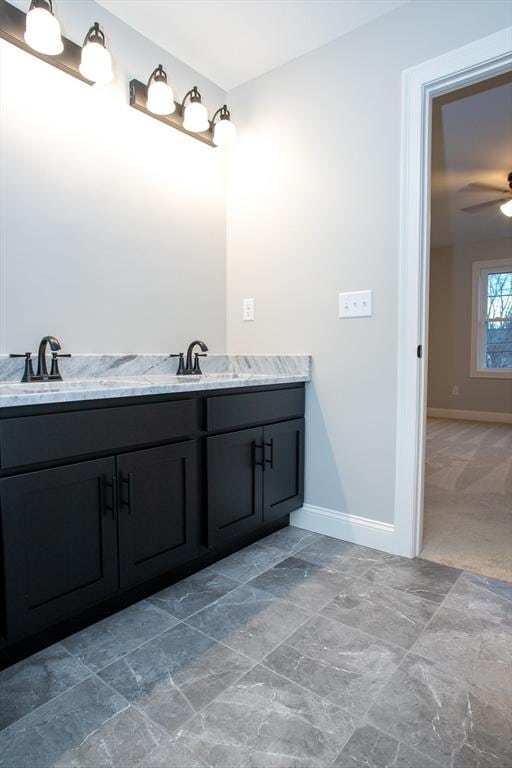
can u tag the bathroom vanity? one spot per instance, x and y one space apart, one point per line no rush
108 496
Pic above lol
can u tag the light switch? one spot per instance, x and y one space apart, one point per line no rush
355 304
248 310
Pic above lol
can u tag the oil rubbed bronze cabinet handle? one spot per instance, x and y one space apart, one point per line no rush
128 481
113 498
270 444
258 447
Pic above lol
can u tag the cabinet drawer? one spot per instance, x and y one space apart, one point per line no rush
52 437
231 411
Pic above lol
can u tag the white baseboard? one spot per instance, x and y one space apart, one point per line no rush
340 525
452 413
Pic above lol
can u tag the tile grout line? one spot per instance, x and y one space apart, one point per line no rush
407 653
239 584
441 605
261 663
267 548
311 615
54 698
132 650
166 731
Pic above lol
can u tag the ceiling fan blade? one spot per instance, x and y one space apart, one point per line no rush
476 186
480 206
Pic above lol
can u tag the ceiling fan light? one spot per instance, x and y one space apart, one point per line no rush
506 208
42 31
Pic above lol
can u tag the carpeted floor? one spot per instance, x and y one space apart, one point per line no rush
467 521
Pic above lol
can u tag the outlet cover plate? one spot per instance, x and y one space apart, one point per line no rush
248 310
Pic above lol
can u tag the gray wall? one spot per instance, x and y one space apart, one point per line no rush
449 346
113 225
313 209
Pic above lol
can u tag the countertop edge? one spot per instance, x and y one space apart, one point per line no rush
144 390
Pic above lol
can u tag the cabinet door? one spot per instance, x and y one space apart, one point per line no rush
235 467
158 510
59 537
283 489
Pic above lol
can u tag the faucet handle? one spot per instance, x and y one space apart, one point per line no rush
197 368
181 365
28 372
54 370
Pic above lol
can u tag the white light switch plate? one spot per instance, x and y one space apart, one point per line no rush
248 310
355 304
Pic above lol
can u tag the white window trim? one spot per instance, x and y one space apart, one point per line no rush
477 371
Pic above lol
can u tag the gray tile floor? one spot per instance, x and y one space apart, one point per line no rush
301 651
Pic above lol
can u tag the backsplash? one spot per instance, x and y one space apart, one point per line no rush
107 366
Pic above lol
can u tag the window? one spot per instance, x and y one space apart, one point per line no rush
491 338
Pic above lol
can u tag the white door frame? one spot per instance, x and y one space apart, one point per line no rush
472 63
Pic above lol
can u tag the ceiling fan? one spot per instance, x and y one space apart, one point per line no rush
505 197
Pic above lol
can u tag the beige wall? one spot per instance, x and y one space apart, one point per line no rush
313 209
449 347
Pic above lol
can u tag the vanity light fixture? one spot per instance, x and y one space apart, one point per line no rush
96 62
42 31
224 130
38 32
195 114
27 31
160 96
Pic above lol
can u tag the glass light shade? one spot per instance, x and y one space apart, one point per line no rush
42 32
96 63
506 208
160 99
195 118
224 133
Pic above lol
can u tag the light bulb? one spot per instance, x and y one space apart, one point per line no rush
96 62
506 208
195 118
224 133
42 31
160 97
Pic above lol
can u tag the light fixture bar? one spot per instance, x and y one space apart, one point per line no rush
12 29
138 100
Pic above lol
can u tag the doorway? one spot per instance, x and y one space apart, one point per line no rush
467 509
474 63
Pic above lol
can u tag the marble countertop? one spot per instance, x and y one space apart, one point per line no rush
40 393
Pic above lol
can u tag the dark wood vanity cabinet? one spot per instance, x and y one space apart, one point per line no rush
97 503
59 536
255 476
283 488
235 491
158 513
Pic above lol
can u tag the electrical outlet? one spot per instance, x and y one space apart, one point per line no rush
355 304
455 390
248 310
